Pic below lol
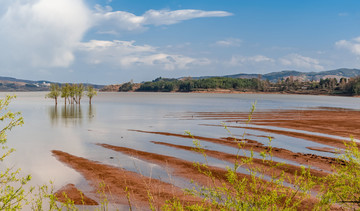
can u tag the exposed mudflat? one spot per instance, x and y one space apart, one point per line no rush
120 182
69 191
311 125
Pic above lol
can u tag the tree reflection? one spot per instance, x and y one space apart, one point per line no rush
70 114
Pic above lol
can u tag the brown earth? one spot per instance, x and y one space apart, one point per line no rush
339 122
325 149
322 162
310 137
178 166
332 121
117 180
189 170
267 166
69 191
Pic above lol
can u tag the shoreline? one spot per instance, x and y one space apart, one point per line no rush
239 92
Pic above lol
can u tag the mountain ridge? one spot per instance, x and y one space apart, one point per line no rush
274 76
14 84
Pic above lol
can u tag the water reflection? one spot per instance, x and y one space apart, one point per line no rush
70 114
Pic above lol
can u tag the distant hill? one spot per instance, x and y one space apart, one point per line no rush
9 84
302 76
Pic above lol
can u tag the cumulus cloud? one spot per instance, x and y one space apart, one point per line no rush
352 45
108 20
299 61
47 35
230 42
127 54
41 32
242 60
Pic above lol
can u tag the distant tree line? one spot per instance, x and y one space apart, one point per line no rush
72 93
344 86
189 85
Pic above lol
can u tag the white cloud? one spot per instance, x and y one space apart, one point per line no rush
353 45
242 60
299 61
127 54
230 42
107 20
166 17
45 33
41 32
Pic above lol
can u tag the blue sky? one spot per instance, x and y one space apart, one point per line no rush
114 41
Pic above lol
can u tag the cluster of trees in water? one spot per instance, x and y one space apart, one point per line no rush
72 93
345 86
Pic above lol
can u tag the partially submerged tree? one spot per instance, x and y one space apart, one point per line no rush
54 92
79 92
91 92
72 93
65 92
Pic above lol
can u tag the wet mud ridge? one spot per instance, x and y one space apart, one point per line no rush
127 186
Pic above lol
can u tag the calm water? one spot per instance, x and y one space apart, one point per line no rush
76 129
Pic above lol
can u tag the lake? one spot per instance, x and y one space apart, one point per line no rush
113 117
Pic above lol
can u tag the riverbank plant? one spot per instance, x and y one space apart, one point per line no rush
13 195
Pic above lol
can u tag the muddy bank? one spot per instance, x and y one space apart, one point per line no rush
332 121
117 180
325 149
188 170
267 166
69 191
321 162
178 167
228 141
337 143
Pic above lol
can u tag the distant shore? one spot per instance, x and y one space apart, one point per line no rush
227 91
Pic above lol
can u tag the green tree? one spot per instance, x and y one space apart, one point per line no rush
65 92
54 92
91 92
126 87
79 92
12 191
72 93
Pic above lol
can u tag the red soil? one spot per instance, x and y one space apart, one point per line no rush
117 180
69 191
268 166
321 162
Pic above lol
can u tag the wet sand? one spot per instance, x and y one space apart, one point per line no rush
330 121
69 191
117 180
178 167
337 143
322 162
267 166
188 170
326 149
